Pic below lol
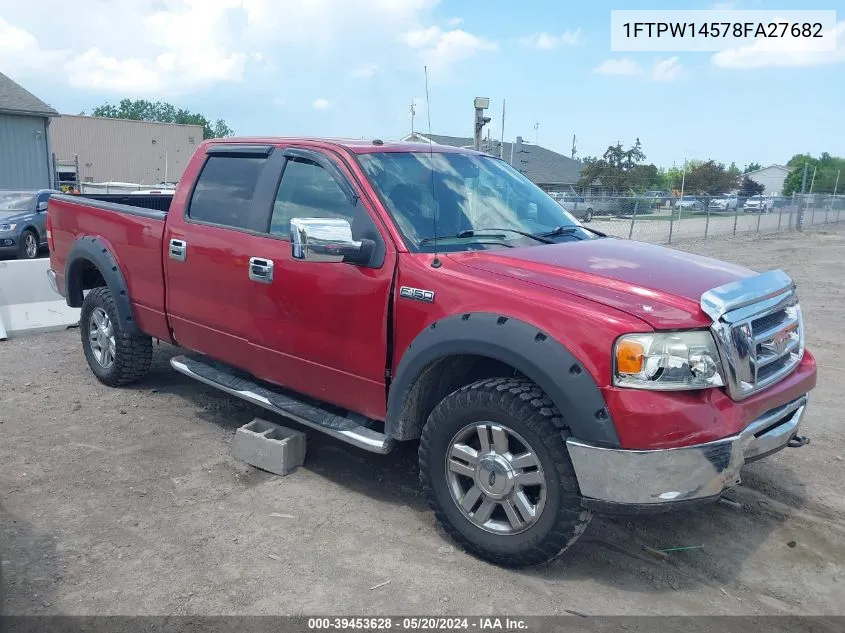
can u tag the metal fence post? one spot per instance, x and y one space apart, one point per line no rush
780 216
760 217
736 217
633 219
672 221
707 221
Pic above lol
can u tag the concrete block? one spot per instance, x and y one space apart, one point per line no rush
28 303
276 449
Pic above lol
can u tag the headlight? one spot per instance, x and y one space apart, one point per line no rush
667 361
8 227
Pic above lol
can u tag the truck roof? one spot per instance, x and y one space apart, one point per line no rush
357 146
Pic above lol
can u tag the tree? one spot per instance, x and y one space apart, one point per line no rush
751 167
826 168
621 169
750 187
709 178
144 110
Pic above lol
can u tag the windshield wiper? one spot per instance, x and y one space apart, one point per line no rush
475 233
569 230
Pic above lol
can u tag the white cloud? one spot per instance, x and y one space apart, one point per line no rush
666 69
453 22
365 71
181 46
618 66
321 104
786 52
441 49
723 6
545 42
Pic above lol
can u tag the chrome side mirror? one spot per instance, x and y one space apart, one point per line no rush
327 240
42 206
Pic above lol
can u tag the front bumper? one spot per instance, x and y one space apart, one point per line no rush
8 244
614 479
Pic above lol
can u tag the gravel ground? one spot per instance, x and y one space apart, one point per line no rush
125 501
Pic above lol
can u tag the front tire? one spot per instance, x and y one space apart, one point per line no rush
495 468
115 356
588 216
28 245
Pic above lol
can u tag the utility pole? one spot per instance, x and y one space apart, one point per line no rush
536 133
502 138
574 150
481 104
413 113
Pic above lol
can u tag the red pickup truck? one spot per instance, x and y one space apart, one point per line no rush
383 292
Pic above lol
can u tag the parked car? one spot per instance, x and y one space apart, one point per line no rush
22 222
689 203
725 202
660 198
759 204
577 205
547 371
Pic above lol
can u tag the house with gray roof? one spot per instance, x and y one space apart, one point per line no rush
547 169
24 142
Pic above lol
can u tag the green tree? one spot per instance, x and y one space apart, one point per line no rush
621 169
750 187
709 178
826 168
159 111
751 167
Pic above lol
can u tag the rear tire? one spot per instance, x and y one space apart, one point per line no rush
529 523
588 216
114 356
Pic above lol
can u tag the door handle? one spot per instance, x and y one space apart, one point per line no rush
261 270
178 250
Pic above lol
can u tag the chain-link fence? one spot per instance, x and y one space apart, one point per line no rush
668 219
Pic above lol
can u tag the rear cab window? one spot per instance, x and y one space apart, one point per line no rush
224 190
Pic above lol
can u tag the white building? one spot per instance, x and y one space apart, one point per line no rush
771 177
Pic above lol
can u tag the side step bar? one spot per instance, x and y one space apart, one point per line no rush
225 379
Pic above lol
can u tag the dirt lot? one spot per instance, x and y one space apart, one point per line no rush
125 501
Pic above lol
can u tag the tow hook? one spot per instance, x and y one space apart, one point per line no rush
798 441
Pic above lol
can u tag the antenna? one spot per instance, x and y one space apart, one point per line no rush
435 263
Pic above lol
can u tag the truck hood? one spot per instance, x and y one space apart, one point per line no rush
661 286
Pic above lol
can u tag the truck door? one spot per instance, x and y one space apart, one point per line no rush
321 327
208 244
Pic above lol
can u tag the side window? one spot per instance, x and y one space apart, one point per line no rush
309 191
224 190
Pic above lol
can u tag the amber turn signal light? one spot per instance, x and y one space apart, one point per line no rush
629 357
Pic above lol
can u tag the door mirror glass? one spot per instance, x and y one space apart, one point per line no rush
327 240
42 206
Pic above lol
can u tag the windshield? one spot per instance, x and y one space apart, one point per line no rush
690 198
16 200
463 193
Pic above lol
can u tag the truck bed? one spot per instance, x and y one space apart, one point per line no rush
131 224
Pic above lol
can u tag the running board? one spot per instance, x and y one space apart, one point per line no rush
225 379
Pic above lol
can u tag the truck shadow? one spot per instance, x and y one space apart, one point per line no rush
613 551
392 478
28 574
713 541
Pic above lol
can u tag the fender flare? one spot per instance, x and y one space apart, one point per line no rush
520 345
94 250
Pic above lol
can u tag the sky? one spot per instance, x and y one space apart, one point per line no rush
352 69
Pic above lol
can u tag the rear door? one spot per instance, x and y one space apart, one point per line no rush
208 245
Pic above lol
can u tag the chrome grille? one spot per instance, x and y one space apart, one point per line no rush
759 331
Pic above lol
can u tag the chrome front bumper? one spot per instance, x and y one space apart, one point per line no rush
662 477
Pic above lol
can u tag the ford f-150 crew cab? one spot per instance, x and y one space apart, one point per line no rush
385 292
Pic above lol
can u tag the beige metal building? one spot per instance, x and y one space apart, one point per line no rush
108 150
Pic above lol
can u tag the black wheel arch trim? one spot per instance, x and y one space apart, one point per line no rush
95 251
523 346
